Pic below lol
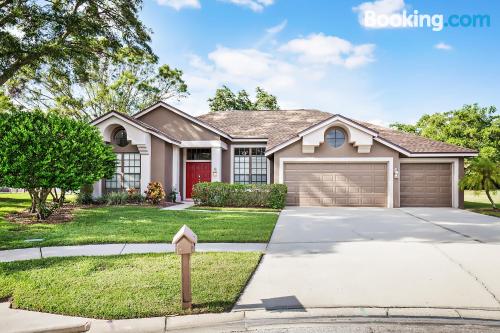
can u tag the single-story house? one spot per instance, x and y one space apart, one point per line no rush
325 159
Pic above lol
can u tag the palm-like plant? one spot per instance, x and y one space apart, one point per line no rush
482 174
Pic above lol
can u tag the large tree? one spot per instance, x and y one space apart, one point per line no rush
127 83
71 34
471 126
41 151
225 99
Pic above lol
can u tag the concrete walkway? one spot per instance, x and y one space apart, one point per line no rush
375 257
181 206
116 249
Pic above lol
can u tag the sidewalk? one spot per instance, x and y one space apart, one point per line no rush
12 320
121 248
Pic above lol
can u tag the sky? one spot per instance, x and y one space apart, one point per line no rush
320 54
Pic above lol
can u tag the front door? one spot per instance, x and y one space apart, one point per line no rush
196 172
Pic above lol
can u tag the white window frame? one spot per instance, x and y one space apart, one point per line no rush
250 145
388 160
454 173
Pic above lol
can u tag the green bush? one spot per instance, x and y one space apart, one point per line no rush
85 195
239 195
136 198
116 198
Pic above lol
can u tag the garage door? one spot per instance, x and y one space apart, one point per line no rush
425 185
336 184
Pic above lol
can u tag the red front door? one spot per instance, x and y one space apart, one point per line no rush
196 172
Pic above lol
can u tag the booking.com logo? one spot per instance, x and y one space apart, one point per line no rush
437 22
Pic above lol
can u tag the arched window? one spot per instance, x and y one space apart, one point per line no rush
335 137
120 137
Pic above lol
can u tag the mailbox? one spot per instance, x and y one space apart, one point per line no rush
185 241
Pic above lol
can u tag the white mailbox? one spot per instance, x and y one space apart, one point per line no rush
185 240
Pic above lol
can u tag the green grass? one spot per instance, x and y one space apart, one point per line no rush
132 224
237 209
480 203
127 286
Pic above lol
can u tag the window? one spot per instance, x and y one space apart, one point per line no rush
200 154
127 174
335 137
120 138
250 166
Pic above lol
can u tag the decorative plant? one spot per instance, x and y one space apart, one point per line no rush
482 174
154 193
173 195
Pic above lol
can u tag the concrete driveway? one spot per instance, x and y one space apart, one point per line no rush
374 257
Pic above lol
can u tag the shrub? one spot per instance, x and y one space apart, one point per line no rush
240 195
85 195
136 198
155 193
116 198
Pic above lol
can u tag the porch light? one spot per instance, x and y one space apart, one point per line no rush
214 173
396 173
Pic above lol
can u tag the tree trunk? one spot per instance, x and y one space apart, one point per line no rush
33 201
62 197
42 212
53 194
491 200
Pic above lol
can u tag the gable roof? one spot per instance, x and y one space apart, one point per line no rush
182 114
284 127
141 125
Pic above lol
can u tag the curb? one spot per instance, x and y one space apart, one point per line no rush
244 320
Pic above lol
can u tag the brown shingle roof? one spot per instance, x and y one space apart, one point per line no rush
280 126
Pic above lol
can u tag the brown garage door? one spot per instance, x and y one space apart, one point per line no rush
425 185
336 184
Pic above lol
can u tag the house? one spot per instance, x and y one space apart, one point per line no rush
325 159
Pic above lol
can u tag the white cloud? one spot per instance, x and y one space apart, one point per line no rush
254 5
443 46
390 8
322 49
297 84
269 36
277 28
179 4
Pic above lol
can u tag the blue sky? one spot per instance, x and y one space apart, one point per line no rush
318 54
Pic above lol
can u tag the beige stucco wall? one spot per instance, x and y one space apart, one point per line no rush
347 150
161 163
177 126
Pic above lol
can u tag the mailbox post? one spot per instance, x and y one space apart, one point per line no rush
185 241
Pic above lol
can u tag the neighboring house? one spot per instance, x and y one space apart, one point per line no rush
325 159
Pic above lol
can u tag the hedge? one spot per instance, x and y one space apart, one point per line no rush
239 195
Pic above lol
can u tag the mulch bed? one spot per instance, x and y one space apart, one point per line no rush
65 213
165 203
60 215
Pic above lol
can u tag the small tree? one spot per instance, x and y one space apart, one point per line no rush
40 151
482 174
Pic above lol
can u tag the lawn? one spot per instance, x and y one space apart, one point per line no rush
132 224
480 203
127 286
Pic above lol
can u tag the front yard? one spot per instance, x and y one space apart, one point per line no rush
480 203
127 286
131 224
